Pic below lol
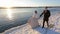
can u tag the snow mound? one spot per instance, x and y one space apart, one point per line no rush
26 29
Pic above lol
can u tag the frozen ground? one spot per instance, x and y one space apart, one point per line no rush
26 29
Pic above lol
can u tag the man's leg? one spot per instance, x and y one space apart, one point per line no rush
47 23
43 23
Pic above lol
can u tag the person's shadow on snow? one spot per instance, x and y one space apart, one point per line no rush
45 31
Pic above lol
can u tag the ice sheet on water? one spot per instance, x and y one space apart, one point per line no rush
26 29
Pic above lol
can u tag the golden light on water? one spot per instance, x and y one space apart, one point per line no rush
9 13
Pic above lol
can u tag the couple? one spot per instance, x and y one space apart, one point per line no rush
33 21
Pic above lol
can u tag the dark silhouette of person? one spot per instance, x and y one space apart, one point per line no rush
46 14
35 11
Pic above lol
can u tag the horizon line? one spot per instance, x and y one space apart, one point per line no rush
31 7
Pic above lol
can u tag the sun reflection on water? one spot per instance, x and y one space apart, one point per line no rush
9 13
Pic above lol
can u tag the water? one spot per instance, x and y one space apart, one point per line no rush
18 16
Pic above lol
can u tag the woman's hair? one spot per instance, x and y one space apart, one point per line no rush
35 11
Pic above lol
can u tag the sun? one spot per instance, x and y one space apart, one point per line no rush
9 13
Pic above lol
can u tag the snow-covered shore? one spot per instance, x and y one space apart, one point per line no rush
26 29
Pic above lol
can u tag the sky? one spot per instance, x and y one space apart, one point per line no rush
28 3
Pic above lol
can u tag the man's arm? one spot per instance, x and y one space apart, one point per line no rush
49 14
42 13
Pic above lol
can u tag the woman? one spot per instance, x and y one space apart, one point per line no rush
33 21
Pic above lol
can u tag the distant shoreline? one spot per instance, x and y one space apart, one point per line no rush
32 7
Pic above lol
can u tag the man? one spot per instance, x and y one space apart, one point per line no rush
46 14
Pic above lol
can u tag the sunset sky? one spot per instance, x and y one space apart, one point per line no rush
23 3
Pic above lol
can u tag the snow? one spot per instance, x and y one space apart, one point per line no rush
26 28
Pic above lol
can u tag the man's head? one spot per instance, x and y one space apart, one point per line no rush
35 11
46 8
